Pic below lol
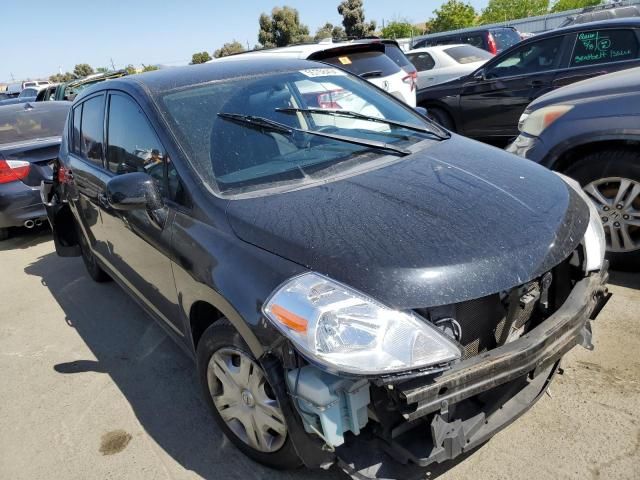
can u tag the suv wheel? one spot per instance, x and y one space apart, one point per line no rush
241 399
94 270
611 178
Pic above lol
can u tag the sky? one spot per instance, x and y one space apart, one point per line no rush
49 37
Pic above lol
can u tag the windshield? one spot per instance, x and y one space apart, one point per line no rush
24 122
249 134
468 54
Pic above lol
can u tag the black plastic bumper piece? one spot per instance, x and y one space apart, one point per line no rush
529 355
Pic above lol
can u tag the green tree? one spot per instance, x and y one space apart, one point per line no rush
504 10
82 70
149 68
130 69
200 57
562 5
452 15
102 70
328 30
229 48
353 20
62 77
282 28
397 29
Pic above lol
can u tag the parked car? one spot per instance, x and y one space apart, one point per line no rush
603 12
29 141
591 131
381 62
69 90
488 103
32 94
17 87
439 64
35 83
492 39
354 277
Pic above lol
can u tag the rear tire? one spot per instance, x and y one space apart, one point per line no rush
4 234
222 341
605 172
94 270
441 117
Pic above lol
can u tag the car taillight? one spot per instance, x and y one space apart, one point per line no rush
493 47
411 79
13 170
328 99
64 175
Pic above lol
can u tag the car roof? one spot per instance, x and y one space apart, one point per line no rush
610 23
463 31
180 77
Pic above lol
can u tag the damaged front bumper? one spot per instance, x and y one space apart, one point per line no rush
444 416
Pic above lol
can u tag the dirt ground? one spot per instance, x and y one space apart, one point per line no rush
92 388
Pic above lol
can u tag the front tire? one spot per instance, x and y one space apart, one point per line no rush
611 178
241 399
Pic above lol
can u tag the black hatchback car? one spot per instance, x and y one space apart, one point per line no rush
349 278
488 103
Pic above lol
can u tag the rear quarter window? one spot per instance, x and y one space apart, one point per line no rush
604 46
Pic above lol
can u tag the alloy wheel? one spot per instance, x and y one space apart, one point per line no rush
245 400
618 202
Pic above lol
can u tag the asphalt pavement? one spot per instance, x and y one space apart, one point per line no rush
92 388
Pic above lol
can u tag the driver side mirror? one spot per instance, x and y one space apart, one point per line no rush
480 74
134 191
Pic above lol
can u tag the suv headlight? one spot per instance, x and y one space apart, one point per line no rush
344 330
595 242
534 123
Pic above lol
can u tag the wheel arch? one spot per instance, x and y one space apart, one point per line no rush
564 156
442 106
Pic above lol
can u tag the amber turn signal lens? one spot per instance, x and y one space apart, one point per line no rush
289 319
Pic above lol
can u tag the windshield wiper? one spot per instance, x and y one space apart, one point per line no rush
360 116
265 124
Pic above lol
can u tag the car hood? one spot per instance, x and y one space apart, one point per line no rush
619 83
455 221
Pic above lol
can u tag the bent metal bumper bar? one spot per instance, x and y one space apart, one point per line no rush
531 354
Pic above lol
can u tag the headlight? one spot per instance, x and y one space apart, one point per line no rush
534 123
345 331
595 242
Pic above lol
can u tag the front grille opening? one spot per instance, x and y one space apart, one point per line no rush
482 324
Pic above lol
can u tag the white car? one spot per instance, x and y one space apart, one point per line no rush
445 62
381 62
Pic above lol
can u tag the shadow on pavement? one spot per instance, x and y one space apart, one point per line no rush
21 238
625 279
155 376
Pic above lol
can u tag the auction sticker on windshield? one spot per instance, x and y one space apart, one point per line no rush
322 72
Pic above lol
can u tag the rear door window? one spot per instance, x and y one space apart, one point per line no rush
423 61
365 64
604 46
476 39
92 130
